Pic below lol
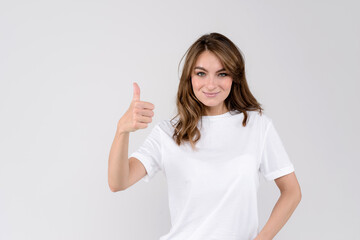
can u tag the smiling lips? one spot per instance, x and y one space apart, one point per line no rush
210 94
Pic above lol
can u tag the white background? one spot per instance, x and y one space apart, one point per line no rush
66 71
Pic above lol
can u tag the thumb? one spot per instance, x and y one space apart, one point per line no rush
136 92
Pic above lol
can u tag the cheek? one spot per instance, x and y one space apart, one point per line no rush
227 84
195 83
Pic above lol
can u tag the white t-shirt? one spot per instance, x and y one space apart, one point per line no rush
213 190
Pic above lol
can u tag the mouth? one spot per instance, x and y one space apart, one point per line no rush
210 94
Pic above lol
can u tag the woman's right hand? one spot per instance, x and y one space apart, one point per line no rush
138 115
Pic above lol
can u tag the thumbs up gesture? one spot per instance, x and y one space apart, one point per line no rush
138 115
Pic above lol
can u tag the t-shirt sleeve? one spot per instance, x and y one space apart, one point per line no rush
275 161
149 153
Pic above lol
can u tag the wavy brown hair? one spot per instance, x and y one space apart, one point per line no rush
189 108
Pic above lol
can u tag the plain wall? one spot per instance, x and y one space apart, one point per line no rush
66 71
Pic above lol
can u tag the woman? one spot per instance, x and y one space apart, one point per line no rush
211 152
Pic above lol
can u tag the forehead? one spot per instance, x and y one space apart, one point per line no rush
208 60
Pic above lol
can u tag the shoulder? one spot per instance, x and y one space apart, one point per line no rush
262 119
164 126
262 116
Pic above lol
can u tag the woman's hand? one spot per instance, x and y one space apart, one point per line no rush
138 115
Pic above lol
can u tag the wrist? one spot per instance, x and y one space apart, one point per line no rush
120 131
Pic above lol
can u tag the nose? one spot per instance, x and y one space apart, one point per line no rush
211 83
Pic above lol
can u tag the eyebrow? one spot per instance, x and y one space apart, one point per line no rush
223 69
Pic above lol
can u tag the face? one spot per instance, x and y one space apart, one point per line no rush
211 83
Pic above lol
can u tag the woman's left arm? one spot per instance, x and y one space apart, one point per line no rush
284 207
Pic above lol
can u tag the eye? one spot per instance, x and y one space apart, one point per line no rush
198 74
225 74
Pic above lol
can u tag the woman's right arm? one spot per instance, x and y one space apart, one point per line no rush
120 169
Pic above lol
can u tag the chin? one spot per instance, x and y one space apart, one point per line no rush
212 104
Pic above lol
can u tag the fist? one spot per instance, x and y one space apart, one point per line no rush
138 115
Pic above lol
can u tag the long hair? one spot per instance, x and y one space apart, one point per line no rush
189 108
